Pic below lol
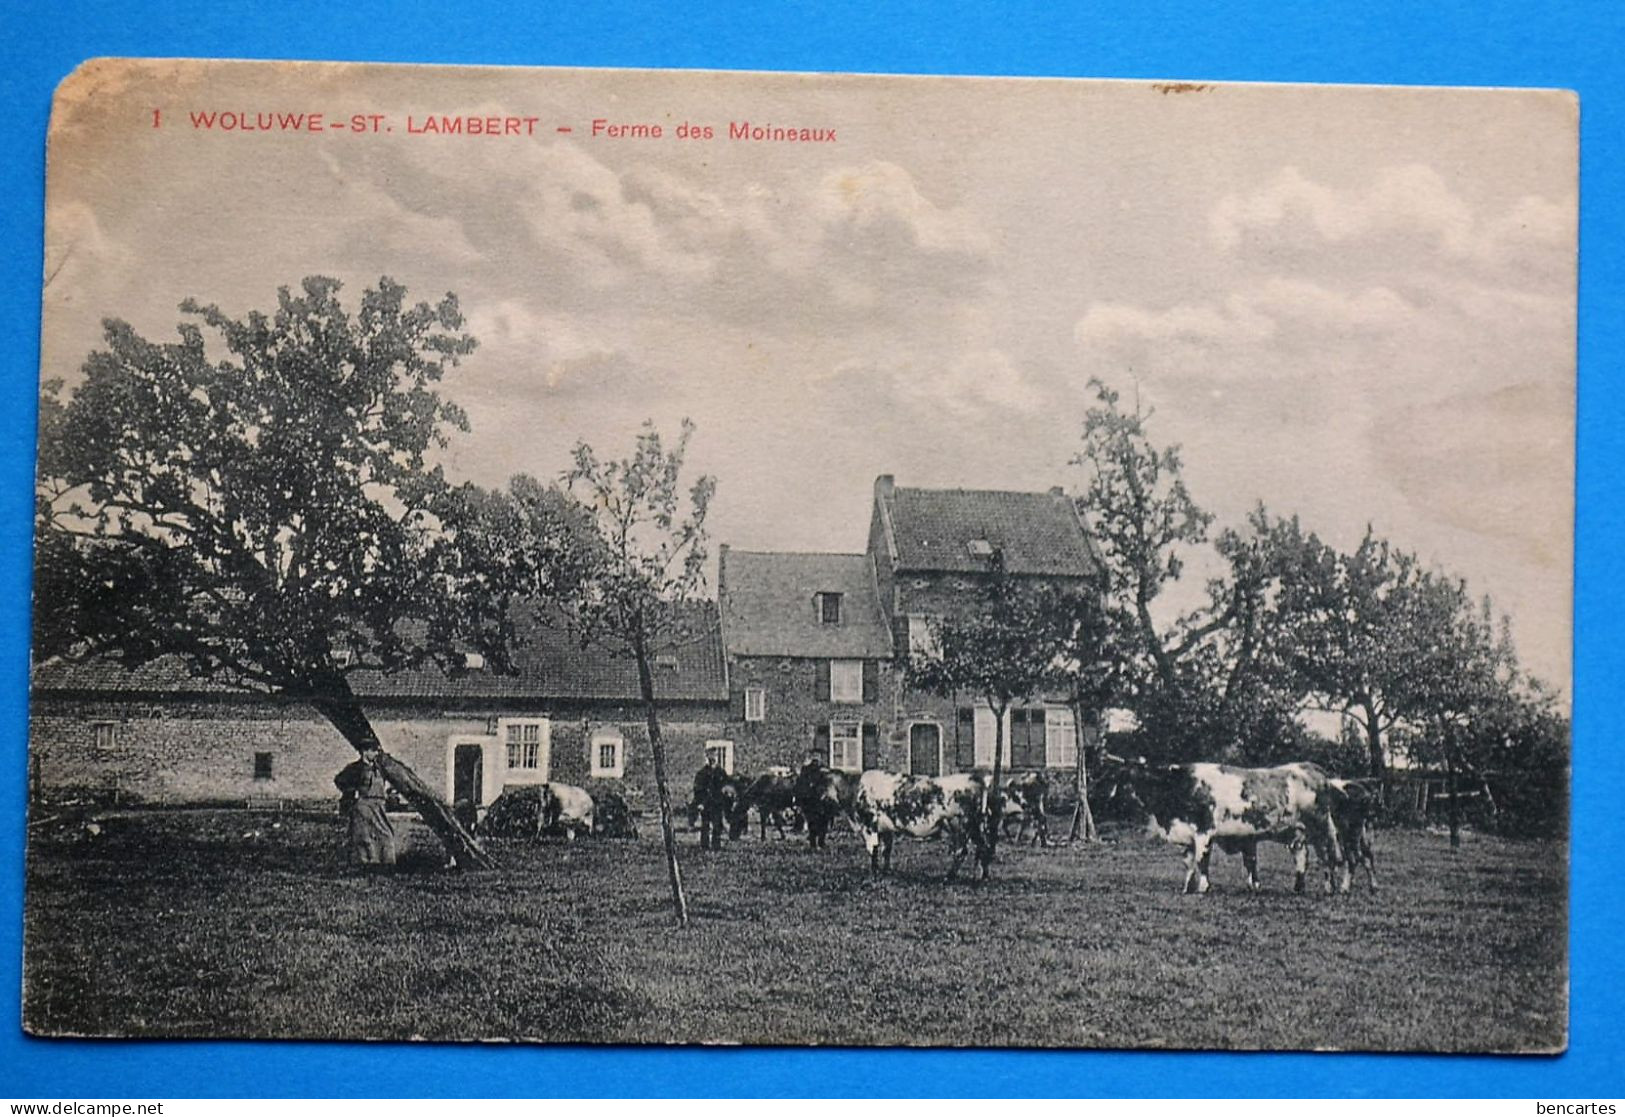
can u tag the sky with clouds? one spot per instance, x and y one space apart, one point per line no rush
1356 304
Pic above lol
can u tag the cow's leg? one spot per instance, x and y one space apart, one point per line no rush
1249 861
1189 886
889 839
1370 856
958 844
1202 860
1300 864
871 842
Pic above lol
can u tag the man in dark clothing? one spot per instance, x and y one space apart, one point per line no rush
711 797
370 837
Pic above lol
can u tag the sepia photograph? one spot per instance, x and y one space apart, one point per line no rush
661 557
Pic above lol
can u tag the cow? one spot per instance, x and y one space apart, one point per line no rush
1198 806
923 806
565 807
1026 805
773 795
1354 805
822 795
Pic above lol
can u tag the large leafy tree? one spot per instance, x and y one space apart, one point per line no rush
642 576
258 499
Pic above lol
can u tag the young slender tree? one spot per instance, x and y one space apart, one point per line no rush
643 579
1002 650
257 499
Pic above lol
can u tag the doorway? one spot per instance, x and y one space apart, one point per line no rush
925 749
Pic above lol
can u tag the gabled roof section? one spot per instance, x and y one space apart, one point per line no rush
769 605
551 664
951 529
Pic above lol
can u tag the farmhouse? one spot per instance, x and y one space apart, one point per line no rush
818 644
802 654
157 735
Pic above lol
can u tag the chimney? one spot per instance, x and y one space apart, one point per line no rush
1056 490
885 485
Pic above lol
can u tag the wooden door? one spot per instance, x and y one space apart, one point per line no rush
925 750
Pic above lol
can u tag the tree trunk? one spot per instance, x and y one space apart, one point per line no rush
1452 786
1373 733
1083 819
340 707
995 798
657 747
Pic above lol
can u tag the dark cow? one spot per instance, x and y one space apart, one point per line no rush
888 804
612 818
1198 806
1354 805
773 796
822 795
1026 807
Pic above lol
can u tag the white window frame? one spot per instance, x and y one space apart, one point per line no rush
531 768
853 670
921 639
104 737
755 703
727 749
982 736
600 739
1060 737
844 735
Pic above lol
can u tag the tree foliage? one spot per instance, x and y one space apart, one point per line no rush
259 499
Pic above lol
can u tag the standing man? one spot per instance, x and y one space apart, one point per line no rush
370 837
711 796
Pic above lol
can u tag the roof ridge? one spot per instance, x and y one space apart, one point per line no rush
732 551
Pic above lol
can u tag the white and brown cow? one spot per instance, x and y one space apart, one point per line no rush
888 804
565 808
1199 806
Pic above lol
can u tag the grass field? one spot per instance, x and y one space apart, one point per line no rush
176 924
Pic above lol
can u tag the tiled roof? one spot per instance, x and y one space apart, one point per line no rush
551 664
768 605
1039 533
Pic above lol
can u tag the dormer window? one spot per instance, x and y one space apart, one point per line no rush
666 662
474 661
980 548
829 608
341 658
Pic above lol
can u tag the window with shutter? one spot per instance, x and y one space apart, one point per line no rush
871 680
871 745
1061 740
821 680
846 681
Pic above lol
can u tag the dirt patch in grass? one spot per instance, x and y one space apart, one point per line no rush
224 924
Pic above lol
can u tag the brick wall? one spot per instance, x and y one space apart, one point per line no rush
795 710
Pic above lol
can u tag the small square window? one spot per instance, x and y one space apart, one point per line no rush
608 753
474 661
981 548
829 608
666 662
755 703
262 765
723 751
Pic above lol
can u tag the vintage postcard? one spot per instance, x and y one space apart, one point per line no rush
675 557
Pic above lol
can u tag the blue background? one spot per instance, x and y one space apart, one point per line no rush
1484 42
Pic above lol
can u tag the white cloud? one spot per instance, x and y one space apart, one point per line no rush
1413 203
